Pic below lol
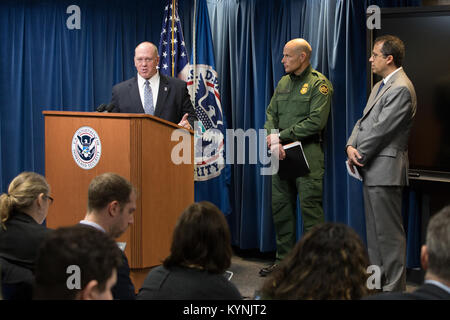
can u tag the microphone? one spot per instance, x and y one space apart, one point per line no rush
112 108
101 108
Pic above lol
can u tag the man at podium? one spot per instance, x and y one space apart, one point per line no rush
153 93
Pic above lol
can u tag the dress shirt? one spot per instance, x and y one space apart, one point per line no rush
154 85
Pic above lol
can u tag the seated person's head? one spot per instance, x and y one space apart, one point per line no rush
112 200
77 263
329 262
28 193
435 255
201 239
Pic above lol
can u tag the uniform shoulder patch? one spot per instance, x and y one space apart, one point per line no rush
323 89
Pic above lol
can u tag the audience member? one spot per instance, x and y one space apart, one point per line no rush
200 254
111 205
22 211
77 263
329 262
435 260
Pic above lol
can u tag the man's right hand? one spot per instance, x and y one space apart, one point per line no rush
353 157
278 151
184 122
272 139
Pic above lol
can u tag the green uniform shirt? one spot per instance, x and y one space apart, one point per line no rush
300 105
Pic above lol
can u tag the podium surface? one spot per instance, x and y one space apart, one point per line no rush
139 148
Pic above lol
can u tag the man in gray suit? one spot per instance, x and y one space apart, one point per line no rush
378 149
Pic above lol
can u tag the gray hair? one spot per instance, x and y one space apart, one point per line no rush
438 244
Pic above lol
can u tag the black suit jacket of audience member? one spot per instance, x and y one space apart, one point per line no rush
427 291
19 246
172 103
124 288
19 243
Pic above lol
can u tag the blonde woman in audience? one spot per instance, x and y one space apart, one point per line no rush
22 210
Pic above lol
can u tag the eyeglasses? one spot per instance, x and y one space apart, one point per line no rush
141 60
50 198
374 55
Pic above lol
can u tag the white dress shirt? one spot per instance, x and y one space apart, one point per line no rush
385 80
154 85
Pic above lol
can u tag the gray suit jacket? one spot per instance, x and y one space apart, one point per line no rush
381 135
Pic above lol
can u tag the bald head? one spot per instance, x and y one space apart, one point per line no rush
146 59
300 45
146 45
296 55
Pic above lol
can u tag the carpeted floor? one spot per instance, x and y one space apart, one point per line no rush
245 267
246 274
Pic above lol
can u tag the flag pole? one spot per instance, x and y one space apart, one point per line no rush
173 36
194 48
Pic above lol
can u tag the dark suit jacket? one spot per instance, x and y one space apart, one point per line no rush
427 291
172 103
19 245
124 288
20 242
16 281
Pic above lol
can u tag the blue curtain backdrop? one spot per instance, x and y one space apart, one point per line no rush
45 66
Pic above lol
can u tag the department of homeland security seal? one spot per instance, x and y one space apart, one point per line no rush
86 148
208 137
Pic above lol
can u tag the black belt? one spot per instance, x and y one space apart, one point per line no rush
316 138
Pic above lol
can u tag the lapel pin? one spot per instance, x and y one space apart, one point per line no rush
165 88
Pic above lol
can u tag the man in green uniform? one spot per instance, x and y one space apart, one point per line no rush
299 110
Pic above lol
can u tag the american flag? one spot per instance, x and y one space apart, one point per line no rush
172 49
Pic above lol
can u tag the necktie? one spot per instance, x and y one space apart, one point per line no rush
381 87
148 99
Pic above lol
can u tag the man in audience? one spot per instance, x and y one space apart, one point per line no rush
435 260
111 205
76 263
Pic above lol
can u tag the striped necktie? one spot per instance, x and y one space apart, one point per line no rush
148 99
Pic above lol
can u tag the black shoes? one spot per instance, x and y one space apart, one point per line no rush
267 270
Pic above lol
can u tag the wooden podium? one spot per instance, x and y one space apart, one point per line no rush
137 147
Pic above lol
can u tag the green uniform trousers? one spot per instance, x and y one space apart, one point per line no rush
284 203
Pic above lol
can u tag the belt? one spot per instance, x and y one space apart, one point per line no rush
316 138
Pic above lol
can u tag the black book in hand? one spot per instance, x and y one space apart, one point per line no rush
295 164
